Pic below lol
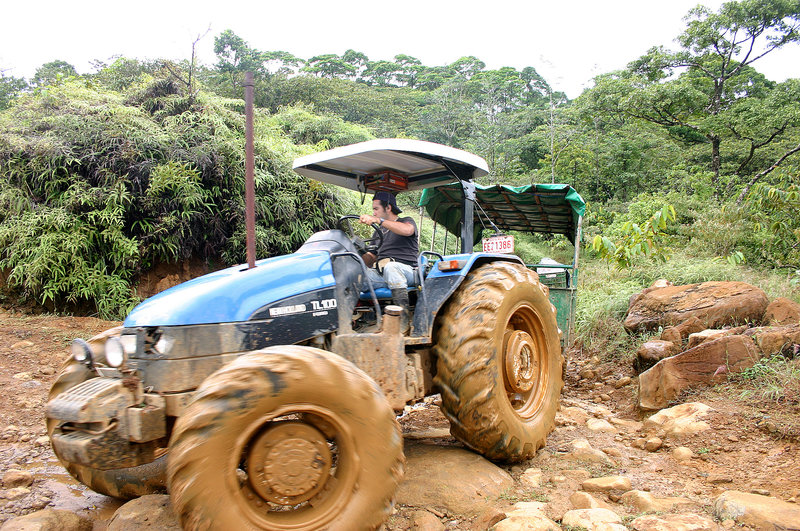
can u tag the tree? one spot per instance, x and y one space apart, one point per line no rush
331 66
53 72
10 87
237 57
717 51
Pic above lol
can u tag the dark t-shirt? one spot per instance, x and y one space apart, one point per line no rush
402 248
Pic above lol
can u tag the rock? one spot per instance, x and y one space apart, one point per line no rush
531 478
777 340
762 512
581 450
652 352
600 425
782 311
527 516
425 521
152 511
622 382
22 344
593 519
584 500
487 519
709 334
644 502
428 433
48 520
703 365
714 304
682 453
674 522
17 478
24 376
627 425
538 522
606 484
573 415
586 374
452 478
15 493
677 334
678 421
47 371
653 444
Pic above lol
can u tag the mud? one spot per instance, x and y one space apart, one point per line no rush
752 447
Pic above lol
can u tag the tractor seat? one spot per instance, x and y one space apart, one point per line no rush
386 293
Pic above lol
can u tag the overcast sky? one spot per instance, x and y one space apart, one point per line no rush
568 42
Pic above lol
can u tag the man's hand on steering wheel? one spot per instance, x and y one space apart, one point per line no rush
369 245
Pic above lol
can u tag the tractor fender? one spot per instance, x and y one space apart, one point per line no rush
440 285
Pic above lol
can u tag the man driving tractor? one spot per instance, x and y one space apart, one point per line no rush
397 255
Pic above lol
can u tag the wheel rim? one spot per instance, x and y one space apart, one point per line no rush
524 361
295 468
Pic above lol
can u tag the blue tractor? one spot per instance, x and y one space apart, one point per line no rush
266 397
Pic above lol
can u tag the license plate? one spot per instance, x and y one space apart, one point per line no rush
498 244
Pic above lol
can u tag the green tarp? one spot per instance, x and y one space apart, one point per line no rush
547 208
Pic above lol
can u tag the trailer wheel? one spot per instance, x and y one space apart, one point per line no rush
124 483
499 365
287 437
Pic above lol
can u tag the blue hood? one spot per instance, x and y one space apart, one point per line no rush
234 294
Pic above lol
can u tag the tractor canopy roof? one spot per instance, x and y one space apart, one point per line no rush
544 208
421 164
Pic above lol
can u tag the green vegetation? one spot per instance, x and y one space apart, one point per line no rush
689 156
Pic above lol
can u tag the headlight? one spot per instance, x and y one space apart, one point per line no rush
80 351
115 352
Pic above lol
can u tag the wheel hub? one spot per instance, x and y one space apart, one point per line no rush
521 361
289 463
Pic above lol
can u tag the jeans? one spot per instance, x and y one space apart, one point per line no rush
396 275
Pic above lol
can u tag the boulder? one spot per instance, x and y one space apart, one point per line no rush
761 512
678 421
48 520
601 425
777 339
606 484
710 334
652 352
599 518
152 511
425 521
527 516
705 364
782 311
678 333
584 500
644 502
581 450
531 478
450 478
17 478
714 304
674 522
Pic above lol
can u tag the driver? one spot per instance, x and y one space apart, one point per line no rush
397 254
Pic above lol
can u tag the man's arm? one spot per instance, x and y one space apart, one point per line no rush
398 227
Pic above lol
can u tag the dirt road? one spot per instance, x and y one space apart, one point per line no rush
741 452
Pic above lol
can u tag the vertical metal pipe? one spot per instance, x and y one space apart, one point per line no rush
578 236
250 187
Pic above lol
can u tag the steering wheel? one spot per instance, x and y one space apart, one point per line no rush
369 245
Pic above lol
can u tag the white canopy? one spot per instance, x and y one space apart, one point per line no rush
425 163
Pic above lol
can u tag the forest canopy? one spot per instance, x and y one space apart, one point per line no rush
105 174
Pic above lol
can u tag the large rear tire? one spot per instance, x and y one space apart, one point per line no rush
287 437
124 483
499 362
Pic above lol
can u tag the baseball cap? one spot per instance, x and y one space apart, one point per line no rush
389 198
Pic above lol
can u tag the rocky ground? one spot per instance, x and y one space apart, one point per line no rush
714 464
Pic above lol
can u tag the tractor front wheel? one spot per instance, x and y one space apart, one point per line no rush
499 362
287 437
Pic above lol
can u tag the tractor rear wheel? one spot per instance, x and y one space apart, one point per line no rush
287 437
499 362
124 483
